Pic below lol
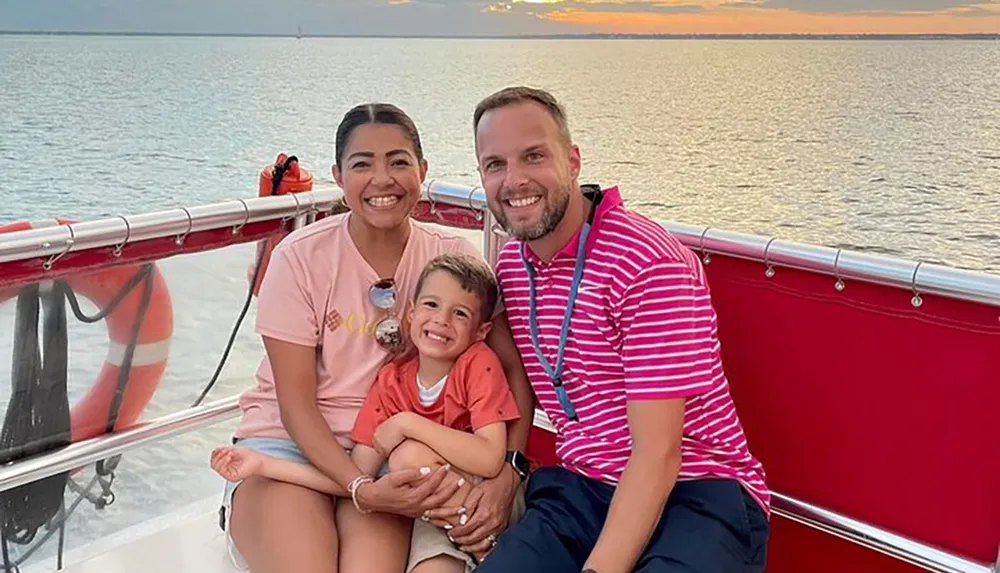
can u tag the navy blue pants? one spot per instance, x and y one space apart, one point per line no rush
708 526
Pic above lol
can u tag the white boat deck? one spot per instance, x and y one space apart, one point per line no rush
188 540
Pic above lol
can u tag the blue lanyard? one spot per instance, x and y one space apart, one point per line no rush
555 374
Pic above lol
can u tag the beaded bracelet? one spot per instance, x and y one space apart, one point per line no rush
352 488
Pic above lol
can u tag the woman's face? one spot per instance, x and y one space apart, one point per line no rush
380 175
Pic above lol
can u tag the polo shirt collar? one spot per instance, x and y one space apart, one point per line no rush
609 199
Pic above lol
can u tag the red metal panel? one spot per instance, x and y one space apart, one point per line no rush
445 214
860 403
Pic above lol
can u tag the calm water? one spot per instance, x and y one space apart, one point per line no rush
885 146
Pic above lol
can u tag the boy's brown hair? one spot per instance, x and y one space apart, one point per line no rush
472 273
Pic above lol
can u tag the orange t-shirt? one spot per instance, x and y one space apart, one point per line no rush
475 394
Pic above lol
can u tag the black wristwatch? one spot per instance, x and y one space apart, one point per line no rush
519 462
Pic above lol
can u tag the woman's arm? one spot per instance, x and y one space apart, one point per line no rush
294 368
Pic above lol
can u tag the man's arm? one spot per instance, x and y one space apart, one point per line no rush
656 428
481 453
501 340
669 353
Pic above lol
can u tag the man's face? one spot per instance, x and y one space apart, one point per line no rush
527 169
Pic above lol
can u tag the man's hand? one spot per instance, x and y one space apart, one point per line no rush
488 508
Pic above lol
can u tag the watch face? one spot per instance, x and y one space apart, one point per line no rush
519 461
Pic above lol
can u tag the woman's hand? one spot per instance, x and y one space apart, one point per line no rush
408 492
488 506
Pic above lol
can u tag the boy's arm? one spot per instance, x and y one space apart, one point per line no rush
379 406
481 453
304 475
367 459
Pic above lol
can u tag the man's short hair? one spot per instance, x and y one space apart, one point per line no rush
522 94
472 273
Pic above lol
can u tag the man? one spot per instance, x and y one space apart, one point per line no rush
614 322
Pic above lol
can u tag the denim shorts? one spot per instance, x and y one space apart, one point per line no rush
274 447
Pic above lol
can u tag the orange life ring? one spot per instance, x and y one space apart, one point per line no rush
292 179
90 416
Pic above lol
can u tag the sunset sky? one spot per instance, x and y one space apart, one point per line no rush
774 16
504 17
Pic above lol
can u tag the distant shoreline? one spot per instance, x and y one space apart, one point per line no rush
594 36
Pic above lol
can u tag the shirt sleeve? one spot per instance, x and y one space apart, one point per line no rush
379 406
284 305
670 347
490 398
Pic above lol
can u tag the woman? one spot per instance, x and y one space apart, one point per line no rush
328 312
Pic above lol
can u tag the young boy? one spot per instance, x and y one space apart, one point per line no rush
446 401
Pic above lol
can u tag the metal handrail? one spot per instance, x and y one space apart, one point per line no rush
79 454
881 540
863 534
935 279
844 264
122 230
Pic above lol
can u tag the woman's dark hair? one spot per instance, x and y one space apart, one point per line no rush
377 113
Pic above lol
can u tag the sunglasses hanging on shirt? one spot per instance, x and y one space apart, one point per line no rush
389 330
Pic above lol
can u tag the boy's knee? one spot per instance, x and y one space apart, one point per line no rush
413 454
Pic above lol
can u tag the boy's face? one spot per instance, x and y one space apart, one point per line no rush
445 320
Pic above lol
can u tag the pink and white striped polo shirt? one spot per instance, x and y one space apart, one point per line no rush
643 328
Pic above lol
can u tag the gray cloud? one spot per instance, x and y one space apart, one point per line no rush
335 17
866 5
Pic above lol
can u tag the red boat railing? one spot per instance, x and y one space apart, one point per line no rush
866 384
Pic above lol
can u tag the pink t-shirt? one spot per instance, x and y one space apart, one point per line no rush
315 293
643 328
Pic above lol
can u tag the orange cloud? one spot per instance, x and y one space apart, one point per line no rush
750 17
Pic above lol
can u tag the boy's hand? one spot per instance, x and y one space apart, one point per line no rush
236 464
391 433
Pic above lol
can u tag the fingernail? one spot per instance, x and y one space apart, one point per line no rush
461 511
461 482
463 520
425 471
448 527
447 467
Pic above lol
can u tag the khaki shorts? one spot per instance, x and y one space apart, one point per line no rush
429 541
